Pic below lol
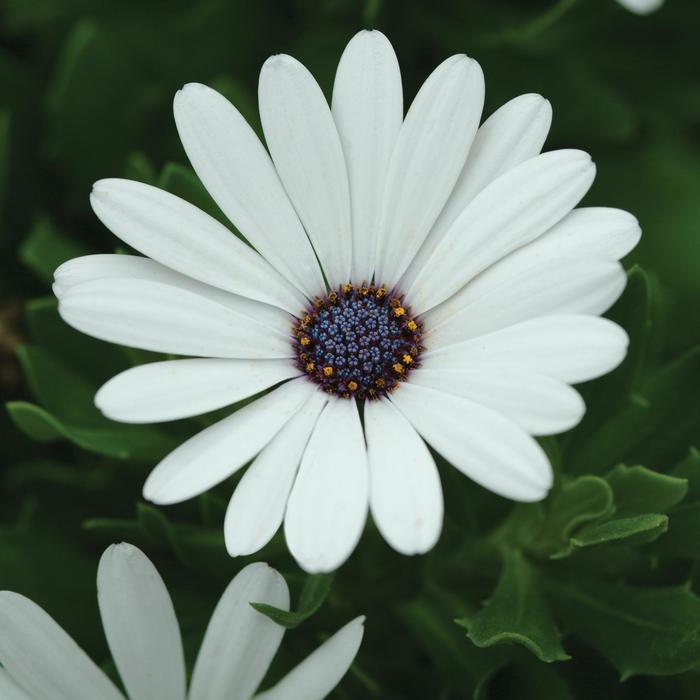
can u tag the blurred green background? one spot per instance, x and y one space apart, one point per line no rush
86 89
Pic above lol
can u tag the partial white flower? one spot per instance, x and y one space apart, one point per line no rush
41 662
462 301
641 7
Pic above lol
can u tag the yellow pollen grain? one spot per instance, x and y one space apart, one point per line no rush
304 340
352 386
310 366
328 371
398 368
407 359
347 288
399 311
380 383
411 325
380 293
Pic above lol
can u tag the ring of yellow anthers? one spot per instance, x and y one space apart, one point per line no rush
358 342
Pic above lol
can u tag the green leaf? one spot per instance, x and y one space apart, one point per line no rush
45 248
651 631
638 490
637 529
111 439
313 594
517 613
575 503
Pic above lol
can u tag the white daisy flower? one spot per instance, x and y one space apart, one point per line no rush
41 662
426 271
641 7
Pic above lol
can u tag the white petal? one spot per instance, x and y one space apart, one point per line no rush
102 267
162 391
316 676
405 495
368 112
539 404
512 211
257 507
570 348
327 508
9 690
430 152
159 316
481 443
186 239
641 7
512 134
305 147
221 449
238 173
596 232
240 642
518 288
43 659
140 625
94 267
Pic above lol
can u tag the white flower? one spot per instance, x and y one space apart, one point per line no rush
41 662
641 7
487 287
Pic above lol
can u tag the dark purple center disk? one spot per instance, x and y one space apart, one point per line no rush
358 342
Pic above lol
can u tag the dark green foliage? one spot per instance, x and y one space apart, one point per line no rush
560 599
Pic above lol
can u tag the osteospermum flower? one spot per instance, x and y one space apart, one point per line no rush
423 270
41 662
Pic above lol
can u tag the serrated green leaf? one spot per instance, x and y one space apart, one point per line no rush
637 529
112 439
45 248
651 631
575 503
313 594
517 613
639 490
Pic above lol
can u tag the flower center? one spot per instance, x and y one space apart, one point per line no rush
358 341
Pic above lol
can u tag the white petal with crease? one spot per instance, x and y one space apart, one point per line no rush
218 451
305 147
43 659
539 404
512 134
140 625
368 112
430 152
316 676
327 508
235 168
513 210
9 690
596 232
256 509
240 642
186 239
162 391
517 288
158 316
570 348
405 494
481 443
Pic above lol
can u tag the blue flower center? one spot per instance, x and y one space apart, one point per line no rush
358 342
